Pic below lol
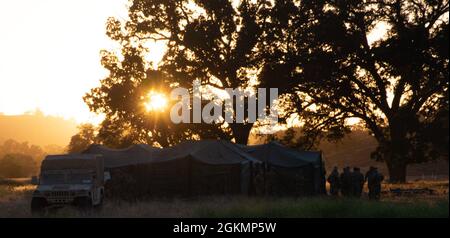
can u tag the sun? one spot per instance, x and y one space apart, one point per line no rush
155 101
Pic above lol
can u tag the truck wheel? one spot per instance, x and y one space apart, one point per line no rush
99 206
101 202
38 205
83 202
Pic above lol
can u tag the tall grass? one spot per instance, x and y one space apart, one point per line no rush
326 208
15 202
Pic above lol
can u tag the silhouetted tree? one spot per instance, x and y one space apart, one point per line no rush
397 85
216 42
14 147
317 53
83 139
17 166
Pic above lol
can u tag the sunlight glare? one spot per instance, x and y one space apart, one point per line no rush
155 101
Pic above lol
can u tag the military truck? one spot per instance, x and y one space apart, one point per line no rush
76 179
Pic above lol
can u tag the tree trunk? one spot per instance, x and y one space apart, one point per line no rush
397 150
397 170
241 132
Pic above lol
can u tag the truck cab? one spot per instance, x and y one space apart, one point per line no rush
75 179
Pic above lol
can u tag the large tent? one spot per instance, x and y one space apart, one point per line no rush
290 172
191 168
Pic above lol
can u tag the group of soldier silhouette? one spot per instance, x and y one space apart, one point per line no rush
351 183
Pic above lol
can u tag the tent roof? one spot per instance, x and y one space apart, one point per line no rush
70 156
214 152
276 154
207 151
135 154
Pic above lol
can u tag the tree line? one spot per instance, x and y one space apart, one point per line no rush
21 159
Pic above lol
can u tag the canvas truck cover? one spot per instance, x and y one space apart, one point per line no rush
75 162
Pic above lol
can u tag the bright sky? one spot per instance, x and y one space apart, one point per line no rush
49 54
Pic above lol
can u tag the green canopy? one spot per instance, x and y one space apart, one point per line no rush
274 153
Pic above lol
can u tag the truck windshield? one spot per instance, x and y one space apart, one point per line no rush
77 178
52 178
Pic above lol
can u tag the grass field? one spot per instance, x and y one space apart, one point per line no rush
15 202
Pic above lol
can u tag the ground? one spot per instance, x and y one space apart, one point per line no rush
15 202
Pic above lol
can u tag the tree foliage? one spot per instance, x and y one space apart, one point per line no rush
216 42
17 166
11 146
20 159
397 85
328 59
85 137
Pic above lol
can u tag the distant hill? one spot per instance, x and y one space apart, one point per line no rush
37 129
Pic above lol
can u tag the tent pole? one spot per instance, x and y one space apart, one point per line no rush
189 176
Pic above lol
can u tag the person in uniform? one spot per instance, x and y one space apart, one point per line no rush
374 179
368 173
377 185
366 179
357 182
346 183
333 180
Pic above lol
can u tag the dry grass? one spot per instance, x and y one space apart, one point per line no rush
440 191
15 202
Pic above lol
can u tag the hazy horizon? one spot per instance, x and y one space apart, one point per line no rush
44 46
31 128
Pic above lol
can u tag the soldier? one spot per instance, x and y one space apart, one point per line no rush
374 180
369 172
357 182
377 186
369 184
333 179
346 182
369 179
